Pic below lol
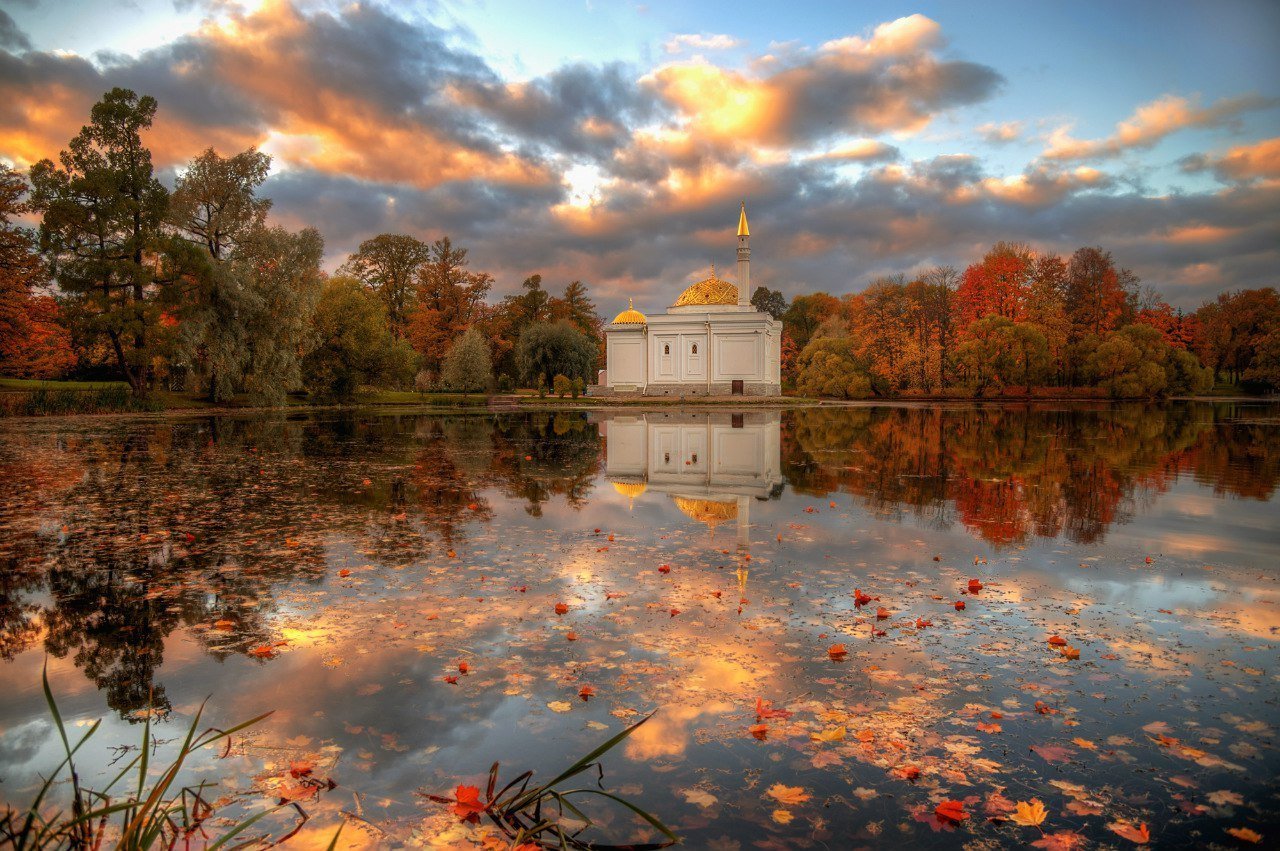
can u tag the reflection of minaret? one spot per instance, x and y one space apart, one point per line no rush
744 522
744 259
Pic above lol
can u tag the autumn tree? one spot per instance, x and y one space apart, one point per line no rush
1233 327
388 264
769 301
353 345
1046 309
806 313
576 308
102 213
997 285
450 300
215 200
1097 293
466 366
33 343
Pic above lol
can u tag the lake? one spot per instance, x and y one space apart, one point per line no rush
794 594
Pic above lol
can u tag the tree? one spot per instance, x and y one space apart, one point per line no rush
806 313
1232 327
43 350
214 202
30 338
388 264
354 346
1185 374
997 285
223 334
1001 353
102 211
548 349
769 301
1046 309
1265 368
576 308
450 300
1131 363
827 367
466 367
1096 298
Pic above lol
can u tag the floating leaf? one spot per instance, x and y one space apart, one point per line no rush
1029 813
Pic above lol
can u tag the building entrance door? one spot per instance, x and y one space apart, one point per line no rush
736 387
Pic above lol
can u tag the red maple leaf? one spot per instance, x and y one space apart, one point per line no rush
951 811
466 803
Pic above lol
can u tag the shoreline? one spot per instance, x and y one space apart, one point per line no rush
533 403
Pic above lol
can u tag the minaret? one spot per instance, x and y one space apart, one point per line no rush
744 259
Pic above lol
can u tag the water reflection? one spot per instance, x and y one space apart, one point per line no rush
711 465
336 566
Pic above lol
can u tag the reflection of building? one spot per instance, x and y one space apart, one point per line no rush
711 465
712 341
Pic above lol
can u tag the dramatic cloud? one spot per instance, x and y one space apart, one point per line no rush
1241 163
629 178
1152 122
891 81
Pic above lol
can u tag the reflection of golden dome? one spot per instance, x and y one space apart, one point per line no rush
708 291
706 510
630 490
630 316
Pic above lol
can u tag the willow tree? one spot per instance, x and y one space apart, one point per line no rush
102 212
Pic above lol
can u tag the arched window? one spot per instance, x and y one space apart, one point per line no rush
695 348
666 349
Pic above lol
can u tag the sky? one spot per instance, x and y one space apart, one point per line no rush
612 142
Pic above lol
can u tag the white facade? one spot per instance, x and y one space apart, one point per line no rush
711 465
710 342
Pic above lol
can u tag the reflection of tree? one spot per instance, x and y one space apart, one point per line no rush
115 539
542 455
1012 471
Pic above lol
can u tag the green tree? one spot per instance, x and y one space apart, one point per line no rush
806 313
467 367
1002 353
102 211
354 346
769 301
388 264
1186 375
827 367
547 349
1130 363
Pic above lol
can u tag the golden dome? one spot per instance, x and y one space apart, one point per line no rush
708 291
630 316
706 510
630 490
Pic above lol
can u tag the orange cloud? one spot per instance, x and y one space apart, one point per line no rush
1150 123
1243 162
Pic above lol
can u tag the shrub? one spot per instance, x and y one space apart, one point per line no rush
561 385
578 387
827 367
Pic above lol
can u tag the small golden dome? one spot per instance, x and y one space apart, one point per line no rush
630 316
706 510
630 490
708 291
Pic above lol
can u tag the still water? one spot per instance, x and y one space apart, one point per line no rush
338 567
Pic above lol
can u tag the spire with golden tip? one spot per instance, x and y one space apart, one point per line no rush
742 221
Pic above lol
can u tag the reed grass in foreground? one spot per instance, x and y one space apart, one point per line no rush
537 818
134 810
